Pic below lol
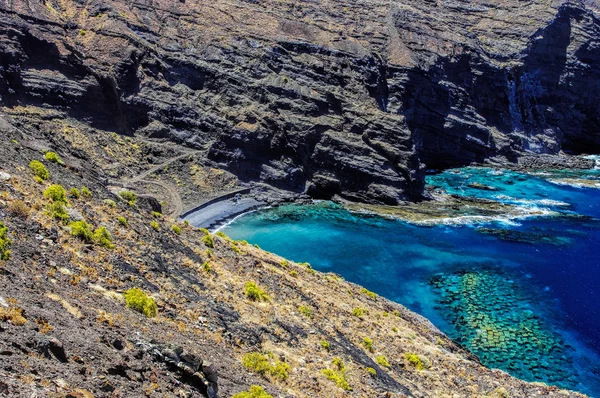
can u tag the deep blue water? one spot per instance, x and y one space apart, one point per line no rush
523 294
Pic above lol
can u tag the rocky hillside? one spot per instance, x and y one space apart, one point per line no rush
348 97
101 295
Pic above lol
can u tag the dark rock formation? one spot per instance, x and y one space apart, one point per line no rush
340 98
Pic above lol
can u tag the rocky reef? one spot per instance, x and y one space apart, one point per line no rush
345 97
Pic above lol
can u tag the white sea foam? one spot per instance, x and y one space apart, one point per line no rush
533 202
509 219
575 183
225 224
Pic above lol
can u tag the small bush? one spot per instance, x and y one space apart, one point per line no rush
358 311
204 231
371 371
157 214
103 238
18 208
368 344
284 263
382 360
208 240
260 364
206 267
58 212
53 157
253 392
236 249
82 230
417 361
85 192
176 229
5 243
154 225
137 300
337 375
122 221
306 311
223 235
255 293
294 273
74 193
110 203
39 170
14 315
368 293
56 193
325 345
128 196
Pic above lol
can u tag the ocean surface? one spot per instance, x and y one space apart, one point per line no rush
521 292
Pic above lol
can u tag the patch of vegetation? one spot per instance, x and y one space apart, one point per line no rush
103 238
223 235
371 371
253 392
74 193
56 193
417 361
12 315
110 203
5 243
176 229
204 231
58 212
206 267
85 192
255 293
368 293
154 225
157 214
382 360
338 374
139 301
284 263
325 345
306 311
54 158
122 221
39 170
82 230
208 240
294 273
394 329
359 311
18 208
368 344
129 197
263 365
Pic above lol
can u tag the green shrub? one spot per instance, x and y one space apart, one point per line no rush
74 193
39 170
255 293
284 263
294 273
154 225
5 243
253 392
223 235
82 230
110 203
208 240
325 345
394 329
103 238
206 267
306 311
128 196
382 360
337 375
368 344
137 300
57 211
157 214
53 157
204 231
417 361
85 191
371 371
260 364
358 311
368 293
176 228
236 249
56 193
122 220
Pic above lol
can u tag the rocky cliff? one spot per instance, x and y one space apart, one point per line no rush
349 97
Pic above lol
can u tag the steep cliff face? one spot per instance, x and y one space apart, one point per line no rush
332 97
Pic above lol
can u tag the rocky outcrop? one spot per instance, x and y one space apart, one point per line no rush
347 98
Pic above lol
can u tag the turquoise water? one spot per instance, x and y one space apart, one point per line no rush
523 294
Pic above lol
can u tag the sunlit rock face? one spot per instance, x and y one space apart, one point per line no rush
329 97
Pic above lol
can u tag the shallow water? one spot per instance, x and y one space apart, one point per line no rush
524 295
